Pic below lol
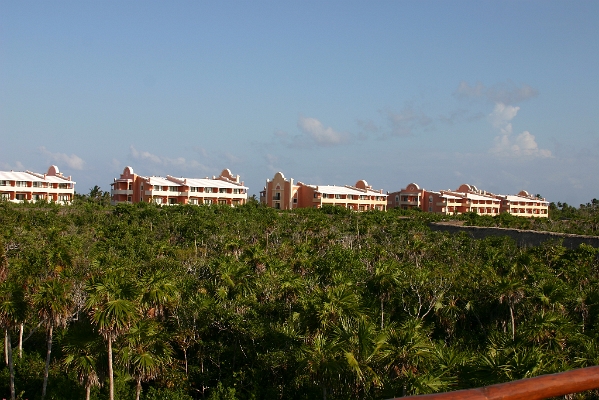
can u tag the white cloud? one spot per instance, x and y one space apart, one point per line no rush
319 134
506 93
73 161
523 145
502 115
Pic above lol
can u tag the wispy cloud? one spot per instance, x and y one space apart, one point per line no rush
506 93
272 162
523 145
316 131
179 163
73 161
18 166
406 121
154 159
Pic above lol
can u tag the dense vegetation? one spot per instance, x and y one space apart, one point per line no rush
194 302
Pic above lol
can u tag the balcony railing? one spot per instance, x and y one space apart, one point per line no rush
540 387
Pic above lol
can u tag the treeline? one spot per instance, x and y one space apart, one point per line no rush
213 302
563 218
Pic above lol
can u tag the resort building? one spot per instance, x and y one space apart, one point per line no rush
525 205
284 194
467 198
412 196
223 189
31 186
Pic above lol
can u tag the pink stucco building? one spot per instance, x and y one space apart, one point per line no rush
284 194
468 198
223 189
52 186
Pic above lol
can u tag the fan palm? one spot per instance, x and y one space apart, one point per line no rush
12 312
147 352
83 350
55 305
111 306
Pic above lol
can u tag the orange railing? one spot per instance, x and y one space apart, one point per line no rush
540 387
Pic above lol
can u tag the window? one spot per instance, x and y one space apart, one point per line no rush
430 199
20 196
172 201
158 200
21 184
3 183
277 196
37 197
64 185
130 186
222 202
207 201
295 200
63 197
208 190
37 184
337 196
396 199
236 202
222 190
157 188
315 195
173 188
193 201
278 206
129 199
4 196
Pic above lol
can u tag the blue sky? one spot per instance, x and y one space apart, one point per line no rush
503 95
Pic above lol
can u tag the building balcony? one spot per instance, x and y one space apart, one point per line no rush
122 191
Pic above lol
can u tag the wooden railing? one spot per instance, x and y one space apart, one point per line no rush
540 387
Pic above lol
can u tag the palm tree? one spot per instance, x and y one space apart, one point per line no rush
512 292
385 280
320 359
363 346
55 305
158 291
111 306
147 352
407 351
13 308
83 350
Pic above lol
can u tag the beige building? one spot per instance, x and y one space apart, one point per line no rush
223 189
284 194
31 186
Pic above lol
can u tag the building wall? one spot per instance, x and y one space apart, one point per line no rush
520 236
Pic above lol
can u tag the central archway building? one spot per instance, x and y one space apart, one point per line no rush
284 194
